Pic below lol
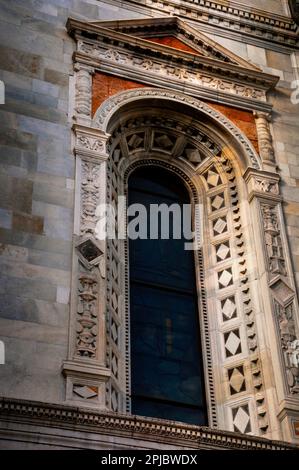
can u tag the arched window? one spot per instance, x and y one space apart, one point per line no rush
166 359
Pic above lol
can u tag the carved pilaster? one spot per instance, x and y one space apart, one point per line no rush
265 141
279 304
83 93
85 369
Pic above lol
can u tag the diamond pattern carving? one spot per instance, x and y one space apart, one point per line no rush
217 202
241 419
219 226
222 251
163 141
114 399
237 383
225 278
85 392
114 365
228 308
192 155
212 177
232 342
136 141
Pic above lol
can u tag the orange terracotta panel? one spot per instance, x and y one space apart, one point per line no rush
244 120
175 43
104 86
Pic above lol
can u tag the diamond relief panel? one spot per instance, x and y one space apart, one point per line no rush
213 178
232 342
228 308
163 141
136 141
217 202
236 377
241 419
225 278
219 226
222 251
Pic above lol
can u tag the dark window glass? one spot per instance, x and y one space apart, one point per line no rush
166 362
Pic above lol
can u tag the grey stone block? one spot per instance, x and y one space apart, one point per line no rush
37 242
35 311
45 88
24 39
51 260
40 112
21 62
53 228
52 195
10 155
16 193
28 288
5 218
42 127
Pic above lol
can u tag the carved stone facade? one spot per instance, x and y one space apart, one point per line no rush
197 107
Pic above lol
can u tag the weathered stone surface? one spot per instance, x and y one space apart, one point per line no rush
38 171
16 193
27 223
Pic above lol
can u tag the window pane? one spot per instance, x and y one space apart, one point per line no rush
166 363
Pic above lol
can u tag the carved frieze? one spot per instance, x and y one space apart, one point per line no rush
162 68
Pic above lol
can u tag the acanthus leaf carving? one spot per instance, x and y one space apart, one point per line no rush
267 186
90 143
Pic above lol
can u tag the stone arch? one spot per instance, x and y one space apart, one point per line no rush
213 181
105 113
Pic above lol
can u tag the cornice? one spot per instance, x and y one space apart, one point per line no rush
132 57
277 32
88 420
172 25
94 33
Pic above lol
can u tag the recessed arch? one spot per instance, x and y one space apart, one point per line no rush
226 130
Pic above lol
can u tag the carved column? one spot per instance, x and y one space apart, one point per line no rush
83 93
278 293
85 369
265 141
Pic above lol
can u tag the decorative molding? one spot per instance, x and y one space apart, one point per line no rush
235 81
263 184
160 69
99 422
111 105
260 28
172 26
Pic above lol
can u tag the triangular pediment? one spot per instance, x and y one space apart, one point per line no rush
173 33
